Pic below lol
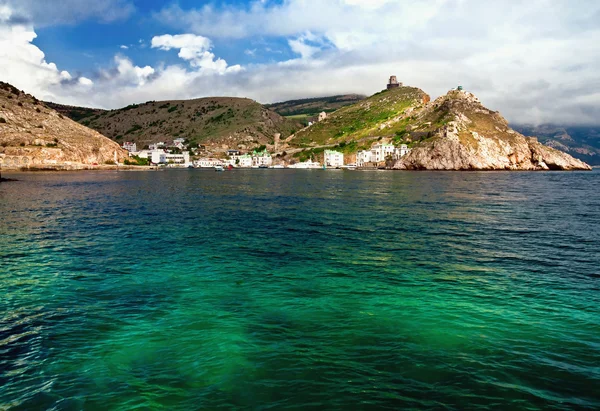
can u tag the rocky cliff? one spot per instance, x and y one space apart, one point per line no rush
459 133
33 135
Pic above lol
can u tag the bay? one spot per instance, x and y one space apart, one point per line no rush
300 289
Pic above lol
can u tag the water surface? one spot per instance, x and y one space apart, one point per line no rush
300 289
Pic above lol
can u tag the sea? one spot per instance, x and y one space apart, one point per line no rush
300 290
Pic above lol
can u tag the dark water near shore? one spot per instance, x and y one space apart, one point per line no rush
281 289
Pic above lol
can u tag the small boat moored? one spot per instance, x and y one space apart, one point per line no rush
219 168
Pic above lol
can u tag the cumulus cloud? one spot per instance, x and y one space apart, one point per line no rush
194 49
535 62
493 49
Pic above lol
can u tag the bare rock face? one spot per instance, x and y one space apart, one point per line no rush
35 136
471 137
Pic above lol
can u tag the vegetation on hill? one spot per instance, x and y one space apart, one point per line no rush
73 112
212 120
303 108
387 113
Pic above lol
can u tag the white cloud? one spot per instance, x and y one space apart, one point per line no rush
535 61
124 47
493 49
195 50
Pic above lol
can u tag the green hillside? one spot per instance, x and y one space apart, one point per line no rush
387 113
207 120
312 106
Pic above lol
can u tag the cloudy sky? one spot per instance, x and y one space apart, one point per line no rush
535 61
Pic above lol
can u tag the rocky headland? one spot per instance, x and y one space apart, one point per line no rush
472 137
34 136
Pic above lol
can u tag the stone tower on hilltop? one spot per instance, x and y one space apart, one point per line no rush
393 83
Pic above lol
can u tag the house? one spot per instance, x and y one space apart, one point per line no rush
334 158
161 157
363 157
261 158
129 146
244 161
156 146
207 163
179 143
380 152
401 151
315 119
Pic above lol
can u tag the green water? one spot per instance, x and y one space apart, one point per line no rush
305 289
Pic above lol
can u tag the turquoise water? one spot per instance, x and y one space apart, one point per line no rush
281 289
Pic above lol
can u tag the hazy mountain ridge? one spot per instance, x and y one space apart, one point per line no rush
32 135
582 142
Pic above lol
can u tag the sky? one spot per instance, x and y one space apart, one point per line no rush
536 61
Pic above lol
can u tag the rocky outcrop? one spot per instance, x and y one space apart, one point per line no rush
471 137
34 136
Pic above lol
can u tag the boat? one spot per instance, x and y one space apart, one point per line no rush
219 168
263 166
278 166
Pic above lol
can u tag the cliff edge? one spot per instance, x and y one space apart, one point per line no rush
464 135
33 135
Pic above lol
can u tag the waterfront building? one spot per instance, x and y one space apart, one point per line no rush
379 152
261 158
161 157
401 151
244 161
208 162
363 157
334 158
306 165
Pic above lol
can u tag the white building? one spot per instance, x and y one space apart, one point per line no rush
401 151
379 152
179 143
261 158
306 165
363 157
334 158
156 146
129 146
322 116
244 161
208 163
160 157
143 154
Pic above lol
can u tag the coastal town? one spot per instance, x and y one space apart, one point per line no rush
181 154
178 155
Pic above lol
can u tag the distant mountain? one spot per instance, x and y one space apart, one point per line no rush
32 135
211 121
454 132
580 141
312 106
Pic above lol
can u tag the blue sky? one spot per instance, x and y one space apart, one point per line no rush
535 61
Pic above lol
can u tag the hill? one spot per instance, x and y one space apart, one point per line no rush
383 114
454 132
208 121
32 135
582 142
313 106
